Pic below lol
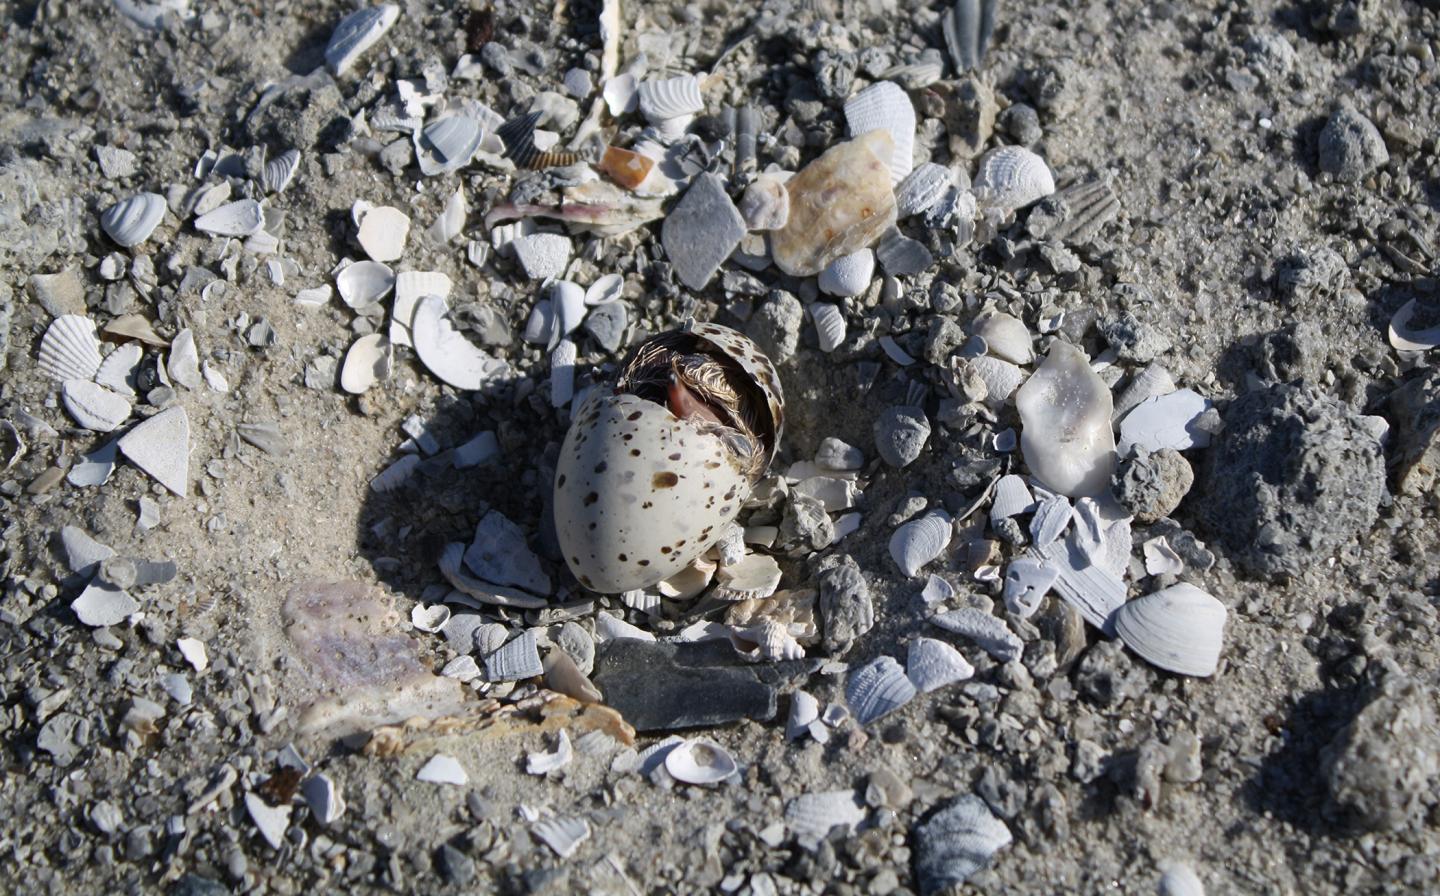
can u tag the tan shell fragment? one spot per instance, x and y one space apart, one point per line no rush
839 203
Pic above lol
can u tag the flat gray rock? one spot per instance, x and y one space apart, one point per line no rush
702 231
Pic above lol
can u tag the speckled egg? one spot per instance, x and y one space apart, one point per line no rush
654 467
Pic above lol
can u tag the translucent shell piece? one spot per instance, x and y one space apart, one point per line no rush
130 222
1066 438
885 106
70 349
1012 177
1180 629
839 203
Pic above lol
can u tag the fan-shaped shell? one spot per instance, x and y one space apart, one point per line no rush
848 275
956 842
662 100
1012 498
239 218
279 171
829 325
877 689
364 283
885 105
933 664
700 761
130 222
1179 628
919 541
901 256
70 349
451 141
1012 177
967 28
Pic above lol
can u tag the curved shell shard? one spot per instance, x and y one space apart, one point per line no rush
1012 177
130 222
885 106
919 541
670 98
445 351
1180 629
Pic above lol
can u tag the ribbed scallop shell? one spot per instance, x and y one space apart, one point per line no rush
1179 628
1012 177
1012 498
518 135
239 218
829 325
279 171
130 222
885 105
933 664
877 689
919 541
956 842
70 350
670 98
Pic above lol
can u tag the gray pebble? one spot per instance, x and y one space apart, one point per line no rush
1022 122
701 231
1382 768
607 324
846 611
900 434
1151 486
775 325
1350 146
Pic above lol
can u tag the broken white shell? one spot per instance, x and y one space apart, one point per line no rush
239 218
568 300
130 222
382 232
848 275
1084 585
161 447
454 140
279 171
564 835
670 98
1012 177
956 842
1405 339
1001 378
885 105
985 629
877 689
604 290
829 325
701 762
543 763
429 619
812 816
70 350
804 709
324 799
364 283
356 33
183 362
921 189
442 769
518 659
1065 410
1179 628
1012 498
919 541
1026 582
117 371
1051 518
933 664
446 352
1006 337
755 577
93 406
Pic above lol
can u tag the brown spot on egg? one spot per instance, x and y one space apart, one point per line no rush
666 479
591 498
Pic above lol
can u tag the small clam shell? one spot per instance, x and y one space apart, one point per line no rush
755 577
1006 337
1406 339
446 352
848 275
700 761
956 842
670 98
93 406
985 629
1012 177
239 218
1179 628
518 659
364 283
130 222
812 816
1065 435
70 349
605 289
919 541
1012 498
885 105
279 171
922 189
877 689
429 619
1026 582
967 29
933 664
829 325
366 363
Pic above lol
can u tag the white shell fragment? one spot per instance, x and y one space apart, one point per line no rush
1179 879
1166 421
563 835
542 255
1006 337
93 406
100 605
498 554
161 447
919 541
367 362
517 660
442 769
130 222
357 33
562 373
956 842
117 371
324 799
183 363
271 821
193 649
1012 177
1001 378
364 283
670 98
605 289
967 28
70 350
877 689
933 664
239 218
1406 339
1051 518
382 232
429 619
885 105
700 761
985 629
545 762
829 325
446 352
279 171
1065 410
1180 629
1027 580
804 709
812 816
1012 498
848 275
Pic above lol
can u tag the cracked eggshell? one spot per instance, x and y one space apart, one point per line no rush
640 493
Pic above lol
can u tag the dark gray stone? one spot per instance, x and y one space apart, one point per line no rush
900 434
458 868
1350 146
1295 475
846 611
666 687
701 231
1151 486
1383 767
